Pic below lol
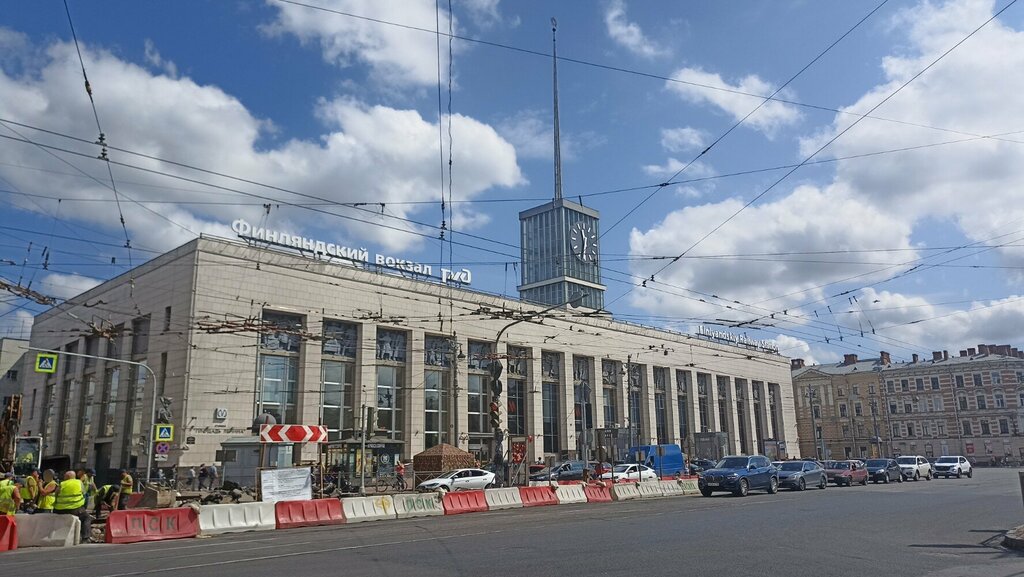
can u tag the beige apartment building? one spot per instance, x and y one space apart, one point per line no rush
970 404
236 330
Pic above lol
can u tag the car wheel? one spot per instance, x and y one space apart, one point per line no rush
801 484
928 476
900 478
864 482
970 473
742 488
823 484
917 476
773 486
705 491
886 479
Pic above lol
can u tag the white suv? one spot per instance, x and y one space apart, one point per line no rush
953 466
915 467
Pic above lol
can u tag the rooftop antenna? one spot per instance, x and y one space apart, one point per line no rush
558 145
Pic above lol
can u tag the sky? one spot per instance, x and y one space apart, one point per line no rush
840 177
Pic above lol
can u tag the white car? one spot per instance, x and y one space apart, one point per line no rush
953 466
458 480
915 467
628 472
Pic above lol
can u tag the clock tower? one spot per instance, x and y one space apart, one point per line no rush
559 240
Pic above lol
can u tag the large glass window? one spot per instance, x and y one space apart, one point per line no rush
517 403
723 404
280 332
85 425
337 398
636 382
550 389
609 384
660 404
390 400
133 420
583 410
435 399
391 346
279 377
140 336
478 363
741 414
703 381
340 339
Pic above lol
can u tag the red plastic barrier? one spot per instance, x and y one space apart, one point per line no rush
291 514
138 525
537 496
8 533
457 502
597 494
133 500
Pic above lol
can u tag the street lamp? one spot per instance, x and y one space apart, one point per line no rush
874 421
812 394
496 369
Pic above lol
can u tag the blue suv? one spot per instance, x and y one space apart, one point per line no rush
738 475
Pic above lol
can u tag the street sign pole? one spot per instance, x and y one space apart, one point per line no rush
152 409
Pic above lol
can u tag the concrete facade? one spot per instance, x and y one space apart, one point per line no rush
971 404
232 330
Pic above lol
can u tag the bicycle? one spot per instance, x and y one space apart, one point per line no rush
387 482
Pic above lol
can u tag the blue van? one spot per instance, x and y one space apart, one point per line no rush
666 460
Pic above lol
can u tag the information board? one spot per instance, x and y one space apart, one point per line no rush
290 484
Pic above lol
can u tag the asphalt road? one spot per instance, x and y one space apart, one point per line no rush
940 528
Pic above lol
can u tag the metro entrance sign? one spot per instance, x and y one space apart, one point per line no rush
293 434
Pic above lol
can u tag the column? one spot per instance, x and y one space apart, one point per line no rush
597 394
730 412
535 408
766 423
672 408
692 412
747 402
310 385
365 393
648 411
413 415
712 388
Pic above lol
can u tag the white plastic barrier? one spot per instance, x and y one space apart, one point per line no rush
570 494
650 489
689 486
507 498
359 509
625 492
236 518
671 488
417 505
48 530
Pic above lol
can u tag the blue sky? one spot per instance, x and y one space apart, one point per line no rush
344 107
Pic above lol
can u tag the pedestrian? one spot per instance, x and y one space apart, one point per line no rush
48 492
211 476
108 495
191 475
71 501
202 476
10 495
400 475
30 491
127 488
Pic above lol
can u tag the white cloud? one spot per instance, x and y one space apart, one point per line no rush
768 119
682 139
485 13
396 55
628 34
15 324
697 169
795 348
533 135
153 57
65 286
365 153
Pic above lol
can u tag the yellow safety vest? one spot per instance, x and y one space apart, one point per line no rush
7 505
5 483
46 501
70 496
126 485
30 489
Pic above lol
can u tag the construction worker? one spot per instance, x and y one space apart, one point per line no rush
87 477
48 492
71 501
30 491
7 479
108 495
127 484
10 495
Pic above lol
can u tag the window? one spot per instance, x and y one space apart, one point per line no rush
816 409
890 386
336 398
919 384
856 390
723 404
968 430
908 408
842 410
846 431
12 374
939 404
110 400
904 385
610 405
140 336
977 379
892 408
999 399
741 414
681 406
391 345
278 387
997 378
981 402
935 383
550 363
516 390
1004 427
941 429
895 429
583 410
478 401
1020 400
840 392
340 340
281 332
167 319
959 381
858 409
985 430
435 405
391 400
963 403
703 381
871 389
910 429
660 411
1020 376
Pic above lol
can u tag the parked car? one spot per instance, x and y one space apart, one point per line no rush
953 466
631 472
564 471
740 474
458 480
698 465
915 467
666 460
798 475
846 472
884 470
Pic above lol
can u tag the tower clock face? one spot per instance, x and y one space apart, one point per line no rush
583 240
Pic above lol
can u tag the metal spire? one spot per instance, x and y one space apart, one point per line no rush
558 145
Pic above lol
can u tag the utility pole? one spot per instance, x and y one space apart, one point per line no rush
819 436
454 356
874 421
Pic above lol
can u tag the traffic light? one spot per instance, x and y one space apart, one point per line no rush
495 415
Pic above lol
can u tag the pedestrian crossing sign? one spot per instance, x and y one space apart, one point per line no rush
46 363
164 433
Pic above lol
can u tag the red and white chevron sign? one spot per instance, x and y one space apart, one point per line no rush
293 434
